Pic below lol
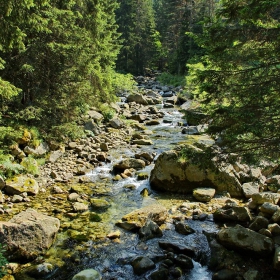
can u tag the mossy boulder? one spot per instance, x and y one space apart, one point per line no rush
21 184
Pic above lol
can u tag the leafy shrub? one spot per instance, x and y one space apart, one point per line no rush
30 165
67 130
7 167
107 111
171 80
122 82
3 262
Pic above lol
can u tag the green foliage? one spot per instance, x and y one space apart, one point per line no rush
9 168
3 261
170 79
122 82
107 111
239 81
67 131
30 165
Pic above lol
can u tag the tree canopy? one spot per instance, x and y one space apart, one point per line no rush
238 79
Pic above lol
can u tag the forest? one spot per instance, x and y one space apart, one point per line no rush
58 58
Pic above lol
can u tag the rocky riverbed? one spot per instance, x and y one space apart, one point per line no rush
123 203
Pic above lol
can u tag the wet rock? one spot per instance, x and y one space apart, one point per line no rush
274 229
204 194
138 117
236 213
251 242
178 248
142 264
114 235
80 207
142 176
251 275
150 230
142 142
87 274
39 270
161 273
184 261
190 130
28 234
176 272
21 184
183 228
99 203
152 122
130 186
130 163
224 274
147 156
276 259
138 218
258 223
276 216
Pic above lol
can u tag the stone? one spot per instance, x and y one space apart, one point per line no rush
274 229
150 230
28 234
80 207
142 264
99 203
204 194
161 273
87 274
251 242
142 142
114 235
130 163
152 122
116 123
258 223
104 147
54 156
260 198
224 274
171 174
184 262
20 184
184 229
178 248
138 218
276 259
2 182
249 189
73 197
95 115
190 130
17 198
268 208
235 213
137 98
276 216
147 156
92 126
251 274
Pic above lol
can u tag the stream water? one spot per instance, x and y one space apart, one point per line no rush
112 258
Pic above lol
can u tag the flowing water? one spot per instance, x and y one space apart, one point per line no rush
112 258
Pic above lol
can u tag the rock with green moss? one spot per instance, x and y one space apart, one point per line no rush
21 184
99 203
87 274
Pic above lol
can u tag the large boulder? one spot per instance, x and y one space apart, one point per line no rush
174 175
137 98
28 234
138 218
246 240
130 163
87 274
21 184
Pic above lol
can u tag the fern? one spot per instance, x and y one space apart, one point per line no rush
3 262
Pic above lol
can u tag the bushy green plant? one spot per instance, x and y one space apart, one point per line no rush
67 130
122 82
30 165
107 111
171 80
7 167
3 262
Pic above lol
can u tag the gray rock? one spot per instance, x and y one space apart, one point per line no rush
143 142
258 223
190 130
224 274
73 197
92 126
54 156
251 242
87 274
276 216
138 218
137 98
276 259
130 163
274 229
178 248
28 234
236 213
20 184
161 273
80 207
142 264
2 183
249 189
95 115
184 261
99 203
17 198
150 230
116 123
204 194
260 198
251 274
183 228
268 208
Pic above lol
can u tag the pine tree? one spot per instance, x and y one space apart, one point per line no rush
239 83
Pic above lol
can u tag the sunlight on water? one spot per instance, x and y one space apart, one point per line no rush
199 272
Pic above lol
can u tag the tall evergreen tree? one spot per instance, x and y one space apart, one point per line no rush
137 28
239 82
